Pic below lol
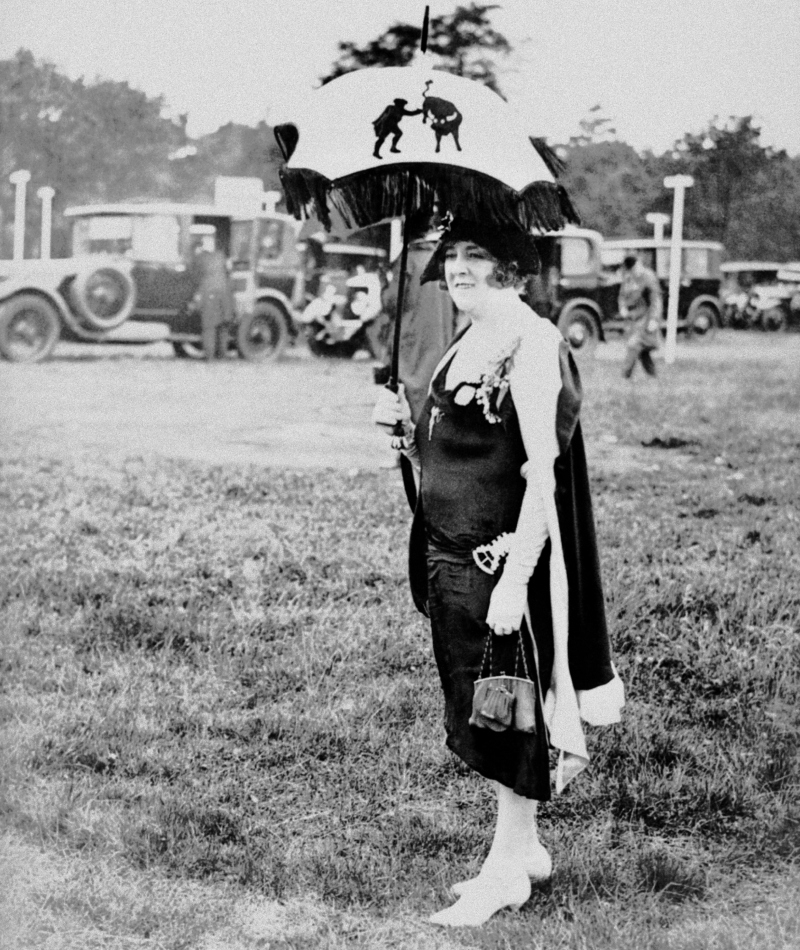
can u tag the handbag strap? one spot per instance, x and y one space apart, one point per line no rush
486 662
521 653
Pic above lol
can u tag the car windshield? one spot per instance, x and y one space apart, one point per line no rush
576 256
144 237
697 262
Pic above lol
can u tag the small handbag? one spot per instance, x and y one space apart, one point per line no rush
504 702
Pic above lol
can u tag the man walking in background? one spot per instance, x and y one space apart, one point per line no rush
640 302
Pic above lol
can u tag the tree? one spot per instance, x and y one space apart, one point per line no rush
594 127
610 185
103 141
727 163
106 142
464 41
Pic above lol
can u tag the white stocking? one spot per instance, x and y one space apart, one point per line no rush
503 880
515 839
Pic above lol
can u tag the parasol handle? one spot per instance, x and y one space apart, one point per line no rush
423 45
401 289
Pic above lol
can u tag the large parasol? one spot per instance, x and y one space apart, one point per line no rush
382 143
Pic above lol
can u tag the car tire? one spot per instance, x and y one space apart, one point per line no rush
262 336
29 328
103 297
340 350
188 351
702 321
579 328
773 319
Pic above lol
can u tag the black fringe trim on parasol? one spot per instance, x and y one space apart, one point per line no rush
372 196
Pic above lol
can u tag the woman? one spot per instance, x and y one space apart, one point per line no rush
499 453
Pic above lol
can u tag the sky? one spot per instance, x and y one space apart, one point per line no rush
657 68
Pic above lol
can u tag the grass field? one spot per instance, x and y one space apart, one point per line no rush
221 724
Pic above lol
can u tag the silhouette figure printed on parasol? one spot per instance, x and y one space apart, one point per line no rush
388 123
445 117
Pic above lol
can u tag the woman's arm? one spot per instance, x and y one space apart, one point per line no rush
535 382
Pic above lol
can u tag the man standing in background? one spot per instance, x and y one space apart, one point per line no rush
216 303
428 320
640 302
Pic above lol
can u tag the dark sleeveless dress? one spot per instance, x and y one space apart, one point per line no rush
471 491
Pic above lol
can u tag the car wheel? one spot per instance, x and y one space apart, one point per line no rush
104 297
340 349
262 335
188 351
702 322
29 328
773 319
579 329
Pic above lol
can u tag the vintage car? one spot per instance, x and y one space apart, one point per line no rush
738 280
268 279
775 305
343 313
573 290
133 278
699 305
578 288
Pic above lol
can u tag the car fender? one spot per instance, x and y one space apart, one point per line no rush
12 287
700 301
45 285
48 278
276 297
583 303
49 291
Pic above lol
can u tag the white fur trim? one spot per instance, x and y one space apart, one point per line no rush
602 706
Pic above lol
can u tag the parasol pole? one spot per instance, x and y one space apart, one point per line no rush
401 286
401 279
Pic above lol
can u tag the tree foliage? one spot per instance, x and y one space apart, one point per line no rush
105 141
610 186
745 195
726 162
464 42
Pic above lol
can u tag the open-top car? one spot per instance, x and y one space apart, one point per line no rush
134 277
775 305
739 278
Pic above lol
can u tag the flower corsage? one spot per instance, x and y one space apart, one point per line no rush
494 382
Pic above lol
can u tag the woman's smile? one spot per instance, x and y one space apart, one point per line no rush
467 270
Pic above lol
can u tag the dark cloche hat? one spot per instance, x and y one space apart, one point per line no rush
504 243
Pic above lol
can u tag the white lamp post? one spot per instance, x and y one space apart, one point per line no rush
19 179
680 183
659 222
45 193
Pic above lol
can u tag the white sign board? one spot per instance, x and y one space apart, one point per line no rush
239 196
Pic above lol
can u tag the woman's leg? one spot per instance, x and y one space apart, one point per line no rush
536 859
503 880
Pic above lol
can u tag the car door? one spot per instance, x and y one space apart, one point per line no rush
164 282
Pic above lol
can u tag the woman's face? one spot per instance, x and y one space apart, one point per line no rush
468 270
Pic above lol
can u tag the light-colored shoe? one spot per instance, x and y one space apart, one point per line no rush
487 895
538 867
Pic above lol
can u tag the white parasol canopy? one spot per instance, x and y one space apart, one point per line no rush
366 137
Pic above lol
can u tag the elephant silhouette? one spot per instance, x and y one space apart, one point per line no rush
445 117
